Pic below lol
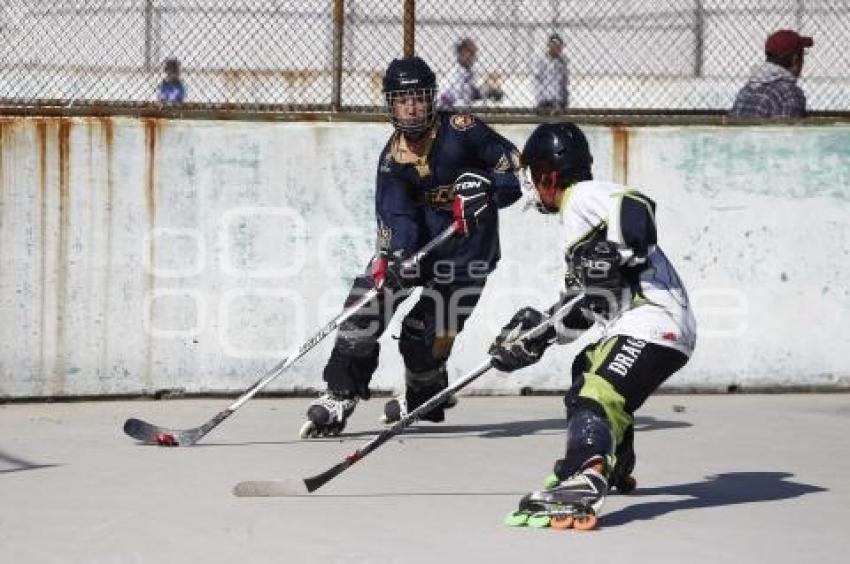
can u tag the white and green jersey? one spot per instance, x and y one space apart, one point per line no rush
657 309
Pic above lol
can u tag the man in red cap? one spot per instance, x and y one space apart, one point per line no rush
772 90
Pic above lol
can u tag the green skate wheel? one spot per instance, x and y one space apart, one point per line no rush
539 521
516 519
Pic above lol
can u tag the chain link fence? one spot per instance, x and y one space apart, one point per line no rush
618 56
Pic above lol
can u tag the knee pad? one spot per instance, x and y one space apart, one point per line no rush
356 342
358 335
588 435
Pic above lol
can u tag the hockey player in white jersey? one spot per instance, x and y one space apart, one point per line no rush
632 290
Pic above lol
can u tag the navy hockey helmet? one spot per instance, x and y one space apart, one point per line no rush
410 87
557 155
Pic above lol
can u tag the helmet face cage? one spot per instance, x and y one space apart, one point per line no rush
419 124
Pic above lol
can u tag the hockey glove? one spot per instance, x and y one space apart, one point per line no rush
596 267
388 272
473 204
509 352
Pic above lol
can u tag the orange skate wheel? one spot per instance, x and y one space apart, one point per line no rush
562 523
585 523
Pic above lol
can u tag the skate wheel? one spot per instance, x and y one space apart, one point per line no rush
585 523
516 519
561 523
539 521
627 485
308 430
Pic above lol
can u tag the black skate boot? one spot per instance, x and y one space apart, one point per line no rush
327 415
571 503
420 388
396 409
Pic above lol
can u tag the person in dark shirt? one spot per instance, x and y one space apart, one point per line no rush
171 89
438 169
771 90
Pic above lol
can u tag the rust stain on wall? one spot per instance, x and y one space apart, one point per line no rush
108 133
3 157
620 156
62 265
151 137
152 131
41 142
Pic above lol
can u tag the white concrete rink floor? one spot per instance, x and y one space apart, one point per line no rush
742 478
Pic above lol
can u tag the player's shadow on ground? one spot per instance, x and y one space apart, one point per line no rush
723 489
502 430
517 428
18 464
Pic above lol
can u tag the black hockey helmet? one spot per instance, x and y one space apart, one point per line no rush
410 79
560 148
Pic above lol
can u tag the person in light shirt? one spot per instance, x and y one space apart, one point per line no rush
552 77
462 86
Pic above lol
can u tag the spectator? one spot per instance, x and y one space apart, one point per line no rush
772 90
172 90
462 87
552 77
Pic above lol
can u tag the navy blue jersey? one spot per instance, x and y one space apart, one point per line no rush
172 92
413 200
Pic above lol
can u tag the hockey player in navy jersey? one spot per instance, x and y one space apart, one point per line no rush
437 169
632 290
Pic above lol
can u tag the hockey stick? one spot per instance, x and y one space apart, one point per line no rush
149 433
311 484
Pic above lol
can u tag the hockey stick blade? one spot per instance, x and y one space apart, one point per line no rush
313 483
269 488
151 434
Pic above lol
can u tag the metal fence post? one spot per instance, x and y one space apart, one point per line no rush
799 12
699 37
409 27
148 34
336 86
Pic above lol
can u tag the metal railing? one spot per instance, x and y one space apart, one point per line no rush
619 56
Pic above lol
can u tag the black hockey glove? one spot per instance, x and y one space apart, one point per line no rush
511 353
473 204
388 272
596 267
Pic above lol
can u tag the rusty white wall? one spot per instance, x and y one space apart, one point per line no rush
139 255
